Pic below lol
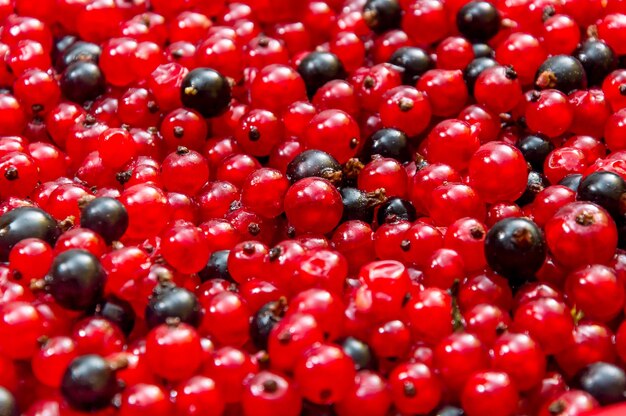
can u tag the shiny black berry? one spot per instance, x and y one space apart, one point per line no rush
170 303
605 382
474 69
382 15
76 279
217 267
516 249
79 52
264 320
482 50
478 21
82 81
117 311
598 60
317 68
396 209
572 181
562 72
389 143
448 411
606 189
8 404
537 182
25 222
359 351
312 163
359 205
206 91
535 149
89 383
413 62
105 216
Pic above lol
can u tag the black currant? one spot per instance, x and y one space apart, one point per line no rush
413 61
82 81
605 382
25 222
396 209
172 303
317 68
606 189
79 52
537 182
448 411
598 60
314 163
482 50
382 15
572 181
478 21
264 320
535 149
474 69
359 351
89 383
76 279
117 311
562 72
516 249
389 143
359 205
206 91
8 404
217 267
105 216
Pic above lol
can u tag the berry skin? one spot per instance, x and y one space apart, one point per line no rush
415 388
445 89
369 396
313 205
406 109
561 72
317 68
334 132
501 160
547 321
382 15
105 216
199 395
519 356
490 392
174 352
605 382
498 89
31 258
325 374
549 112
206 91
145 398
452 134
457 357
264 192
478 21
515 248
183 246
270 394
581 233
414 61
21 325
76 279
585 286
89 383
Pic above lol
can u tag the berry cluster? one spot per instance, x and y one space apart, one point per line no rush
312 207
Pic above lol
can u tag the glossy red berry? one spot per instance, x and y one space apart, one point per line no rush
489 391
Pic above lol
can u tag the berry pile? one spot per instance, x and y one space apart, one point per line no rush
312 207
